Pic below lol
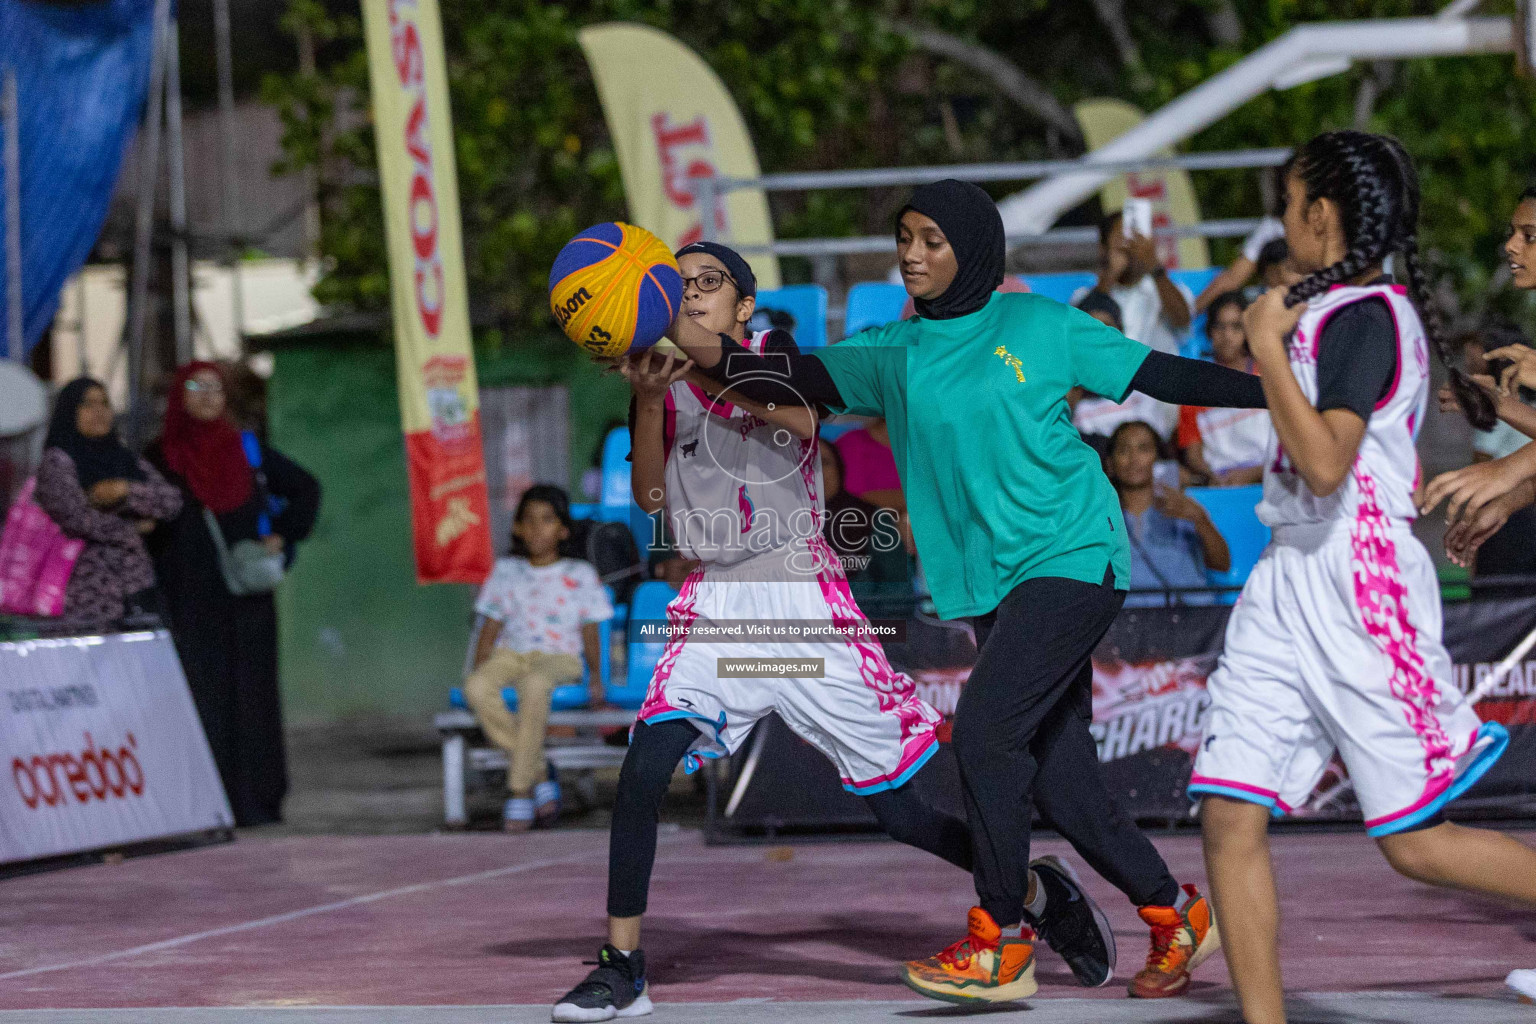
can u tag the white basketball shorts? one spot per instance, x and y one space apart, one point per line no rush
862 714
1335 646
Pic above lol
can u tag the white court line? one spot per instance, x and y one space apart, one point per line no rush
294 915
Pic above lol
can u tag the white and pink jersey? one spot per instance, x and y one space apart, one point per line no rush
1335 646
1385 472
737 485
744 497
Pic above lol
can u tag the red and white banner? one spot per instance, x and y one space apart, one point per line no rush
103 747
429 297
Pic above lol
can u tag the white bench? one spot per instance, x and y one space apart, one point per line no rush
464 752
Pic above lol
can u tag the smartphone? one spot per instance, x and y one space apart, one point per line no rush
1136 218
1165 473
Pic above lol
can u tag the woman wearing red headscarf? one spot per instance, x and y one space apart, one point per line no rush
228 642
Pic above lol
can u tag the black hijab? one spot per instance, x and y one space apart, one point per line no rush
96 458
969 219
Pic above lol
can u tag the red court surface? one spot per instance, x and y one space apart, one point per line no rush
497 922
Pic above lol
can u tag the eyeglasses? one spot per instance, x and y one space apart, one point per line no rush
709 281
195 386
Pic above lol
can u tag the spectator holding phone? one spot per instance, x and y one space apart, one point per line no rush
1258 257
1154 310
1226 446
97 490
1173 541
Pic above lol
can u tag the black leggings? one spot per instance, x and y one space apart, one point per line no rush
1021 733
654 751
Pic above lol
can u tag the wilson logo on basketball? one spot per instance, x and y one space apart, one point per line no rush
564 312
96 773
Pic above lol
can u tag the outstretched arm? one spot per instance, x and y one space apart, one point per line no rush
1229 280
1507 406
1466 491
1181 381
759 379
794 416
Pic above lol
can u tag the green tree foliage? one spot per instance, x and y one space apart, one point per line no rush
838 83
535 162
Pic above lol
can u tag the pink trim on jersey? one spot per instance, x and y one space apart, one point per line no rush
1306 349
1397 364
668 426
1400 289
681 612
756 343
1383 600
1432 790
710 403
894 691
808 472
1206 780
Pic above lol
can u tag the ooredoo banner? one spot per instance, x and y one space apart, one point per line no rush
429 300
104 747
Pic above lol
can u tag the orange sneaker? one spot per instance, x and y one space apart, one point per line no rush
983 967
1181 941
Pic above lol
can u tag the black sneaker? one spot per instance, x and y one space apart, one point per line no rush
1073 925
615 989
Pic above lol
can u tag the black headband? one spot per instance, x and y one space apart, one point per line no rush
741 273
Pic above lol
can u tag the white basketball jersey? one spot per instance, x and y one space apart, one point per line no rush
737 485
1386 469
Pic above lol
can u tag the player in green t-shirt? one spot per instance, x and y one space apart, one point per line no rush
1019 530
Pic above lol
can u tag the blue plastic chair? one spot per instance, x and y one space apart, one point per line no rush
1197 344
872 304
1060 287
618 502
807 303
647 604
1232 511
615 499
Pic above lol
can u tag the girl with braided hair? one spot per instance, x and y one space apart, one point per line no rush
1335 645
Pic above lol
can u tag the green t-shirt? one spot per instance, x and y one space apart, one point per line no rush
1000 487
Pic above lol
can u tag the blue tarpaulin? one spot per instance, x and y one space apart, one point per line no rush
82 71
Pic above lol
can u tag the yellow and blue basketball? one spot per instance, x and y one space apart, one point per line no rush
615 287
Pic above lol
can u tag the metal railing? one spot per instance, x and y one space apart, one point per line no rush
851 245
711 190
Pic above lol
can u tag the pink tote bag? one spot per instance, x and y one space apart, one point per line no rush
36 559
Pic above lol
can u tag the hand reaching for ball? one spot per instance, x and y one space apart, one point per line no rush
650 374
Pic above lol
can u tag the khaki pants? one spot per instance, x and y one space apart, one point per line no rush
534 675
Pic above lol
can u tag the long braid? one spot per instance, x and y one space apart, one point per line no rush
1476 404
1346 167
1373 182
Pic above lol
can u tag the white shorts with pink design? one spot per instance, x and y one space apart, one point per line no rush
1335 646
860 712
